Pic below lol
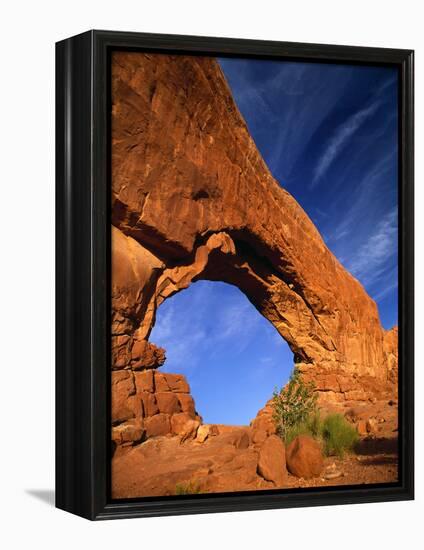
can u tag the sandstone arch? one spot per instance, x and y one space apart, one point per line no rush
193 199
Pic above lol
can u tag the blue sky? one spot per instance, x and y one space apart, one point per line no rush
232 356
328 133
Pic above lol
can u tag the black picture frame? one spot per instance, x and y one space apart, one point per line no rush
83 287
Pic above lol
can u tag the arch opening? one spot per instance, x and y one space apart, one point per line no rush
231 355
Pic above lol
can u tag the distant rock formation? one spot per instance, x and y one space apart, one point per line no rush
193 199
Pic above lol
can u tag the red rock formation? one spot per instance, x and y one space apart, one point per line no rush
390 347
149 404
193 199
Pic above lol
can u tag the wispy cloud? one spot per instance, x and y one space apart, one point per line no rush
390 287
371 260
340 140
207 321
284 104
342 135
178 336
366 193
337 235
237 324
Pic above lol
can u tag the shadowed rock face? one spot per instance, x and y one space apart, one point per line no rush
193 199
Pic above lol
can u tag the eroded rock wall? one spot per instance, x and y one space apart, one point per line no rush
149 403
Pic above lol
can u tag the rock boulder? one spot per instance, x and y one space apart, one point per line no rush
272 461
304 457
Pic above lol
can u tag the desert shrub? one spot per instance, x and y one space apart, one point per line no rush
312 426
294 405
296 413
298 429
338 435
187 488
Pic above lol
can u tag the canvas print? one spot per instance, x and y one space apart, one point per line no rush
254 291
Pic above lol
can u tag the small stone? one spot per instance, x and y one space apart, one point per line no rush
213 430
333 474
361 427
203 433
371 425
190 430
182 423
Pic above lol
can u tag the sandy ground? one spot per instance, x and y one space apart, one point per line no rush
157 466
375 461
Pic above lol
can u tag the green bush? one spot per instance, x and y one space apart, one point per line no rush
338 435
314 424
296 413
187 488
312 427
294 405
292 432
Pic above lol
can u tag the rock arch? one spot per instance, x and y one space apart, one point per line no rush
193 199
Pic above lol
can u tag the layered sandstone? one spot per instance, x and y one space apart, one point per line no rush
193 199
149 404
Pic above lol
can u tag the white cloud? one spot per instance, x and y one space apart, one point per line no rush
386 290
340 139
367 189
205 320
370 262
178 334
337 235
237 324
342 135
190 325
